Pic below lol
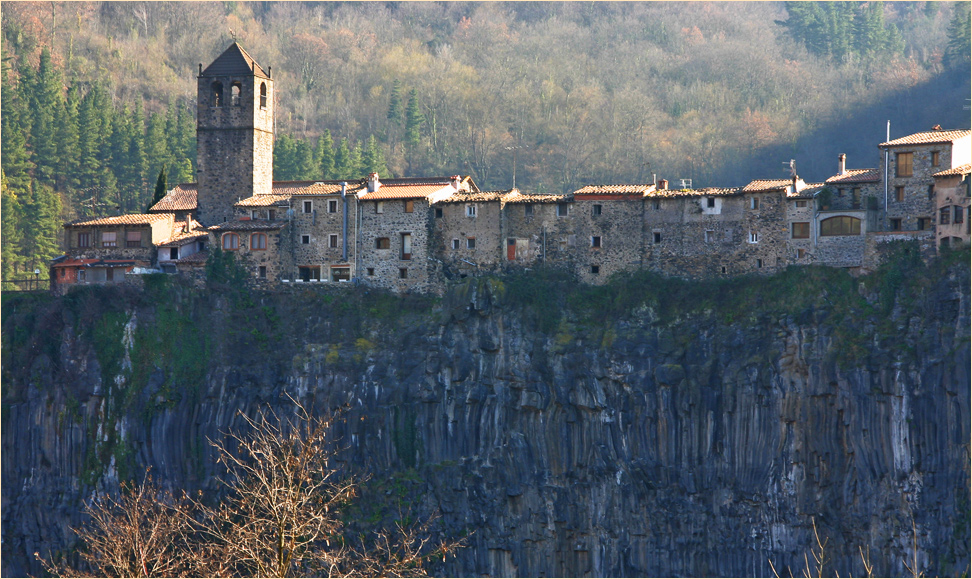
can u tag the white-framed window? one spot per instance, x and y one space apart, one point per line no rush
563 210
596 210
332 240
332 206
308 206
470 243
754 202
455 243
753 237
709 235
109 239
470 210
379 206
595 241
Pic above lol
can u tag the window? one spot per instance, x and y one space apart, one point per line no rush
216 95
84 240
801 203
305 239
759 263
406 246
174 253
109 274
934 158
332 206
309 273
842 225
308 206
528 210
236 91
563 209
455 243
596 210
379 207
409 206
340 274
801 253
470 210
709 236
904 164
258 241
262 272
931 192
595 269
231 241
958 215
263 95
899 193
108 239
254 214
656 236
753 237
382 243
438 212
896 224
332 240
596 241
856 197
754 202
655 204
801 230
403 273
470 243
923 223
710 202
723 269
945 216
370 271
271 214
840 192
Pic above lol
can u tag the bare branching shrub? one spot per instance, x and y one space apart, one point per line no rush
280 517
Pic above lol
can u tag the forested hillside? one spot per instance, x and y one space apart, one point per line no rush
98 97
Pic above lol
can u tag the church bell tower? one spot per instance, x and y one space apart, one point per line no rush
234 134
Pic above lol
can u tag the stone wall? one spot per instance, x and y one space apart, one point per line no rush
842 250
387 267
952 195
608 236
318 236
539 233
918 201
451 235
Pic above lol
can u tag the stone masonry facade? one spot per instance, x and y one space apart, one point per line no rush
415 234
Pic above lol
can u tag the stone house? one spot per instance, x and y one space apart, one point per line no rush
952 192
608 230
910 185
467 233
539 226
255 243
852 188
181 201
395 218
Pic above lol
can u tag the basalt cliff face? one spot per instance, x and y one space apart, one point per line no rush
617 442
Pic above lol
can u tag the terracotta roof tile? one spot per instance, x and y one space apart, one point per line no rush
404 191
181 237
614 190
134 219
479 196
704 192
758 185
928 138
960 170
264 201
182 197
516 197
856 176
249 225
807 192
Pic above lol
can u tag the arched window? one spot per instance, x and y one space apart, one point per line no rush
842 225
263 95
258 241
217 95
236 93
231 241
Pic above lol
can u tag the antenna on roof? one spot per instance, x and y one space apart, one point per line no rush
685 183
791 167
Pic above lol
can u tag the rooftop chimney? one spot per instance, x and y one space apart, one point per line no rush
841 164
373 183
456 180
795 179
663 184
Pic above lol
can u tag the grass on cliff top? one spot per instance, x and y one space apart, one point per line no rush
902 279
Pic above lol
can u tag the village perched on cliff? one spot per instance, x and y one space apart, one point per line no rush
415 234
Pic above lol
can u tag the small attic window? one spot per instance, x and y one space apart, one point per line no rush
263 95
236 92
216 97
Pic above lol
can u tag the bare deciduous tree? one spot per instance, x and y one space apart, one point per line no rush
280 517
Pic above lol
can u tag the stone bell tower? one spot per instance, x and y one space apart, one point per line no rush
234 134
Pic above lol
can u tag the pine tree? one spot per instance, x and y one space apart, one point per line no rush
10 257
47 103
355 166
959 35
156 144
161 186
284 158
343 169
373 158
13 146
304 161
413 120
395 104
40 228
68 144
324 155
